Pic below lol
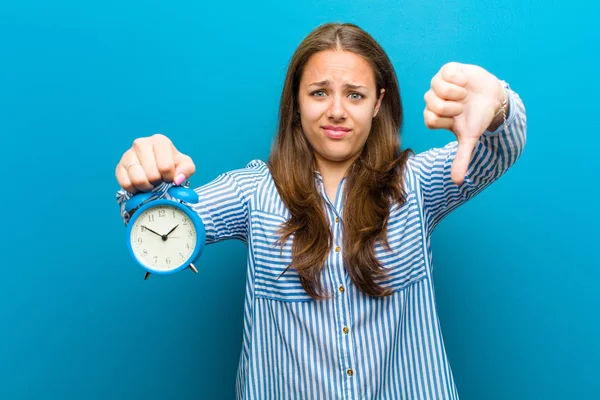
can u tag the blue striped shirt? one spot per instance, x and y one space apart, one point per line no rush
352 346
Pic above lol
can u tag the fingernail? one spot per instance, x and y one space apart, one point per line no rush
179 179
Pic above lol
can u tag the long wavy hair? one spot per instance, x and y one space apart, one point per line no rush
373 182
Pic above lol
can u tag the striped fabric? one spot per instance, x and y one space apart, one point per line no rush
352 346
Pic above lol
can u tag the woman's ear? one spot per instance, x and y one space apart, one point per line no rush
378 104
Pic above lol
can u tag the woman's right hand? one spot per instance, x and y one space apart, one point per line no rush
150 161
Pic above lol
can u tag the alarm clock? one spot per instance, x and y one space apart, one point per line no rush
164 234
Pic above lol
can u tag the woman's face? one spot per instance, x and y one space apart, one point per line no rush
338 100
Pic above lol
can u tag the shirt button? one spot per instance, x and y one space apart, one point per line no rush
337 219
350 372
337 249
346 330
342 289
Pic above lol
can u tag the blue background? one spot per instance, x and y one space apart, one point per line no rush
516 268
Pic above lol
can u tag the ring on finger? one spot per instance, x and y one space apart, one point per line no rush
127 166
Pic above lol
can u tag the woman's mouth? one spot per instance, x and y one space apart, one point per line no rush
335 132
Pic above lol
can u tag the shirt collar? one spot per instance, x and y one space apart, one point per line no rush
318 175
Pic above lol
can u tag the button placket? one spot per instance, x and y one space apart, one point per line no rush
346 340
342 301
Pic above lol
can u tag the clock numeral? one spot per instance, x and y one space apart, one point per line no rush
139 240
185 221
155 260
143 229
174 214
161 213
151 218
168 260
187 246
181 256
144 253
190 233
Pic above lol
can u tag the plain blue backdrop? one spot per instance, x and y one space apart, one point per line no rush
516 269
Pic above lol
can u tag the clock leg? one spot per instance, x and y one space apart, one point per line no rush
147 275
193 268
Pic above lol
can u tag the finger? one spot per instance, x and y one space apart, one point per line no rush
138 178
434 121
447 90
144 152
453 72
163 154
441 107
462 159
184 167
123 178
130 173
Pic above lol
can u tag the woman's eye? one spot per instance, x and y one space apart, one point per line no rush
319 93
356 96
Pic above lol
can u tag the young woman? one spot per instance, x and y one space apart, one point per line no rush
339 296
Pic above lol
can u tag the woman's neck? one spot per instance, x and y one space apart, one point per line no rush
332 174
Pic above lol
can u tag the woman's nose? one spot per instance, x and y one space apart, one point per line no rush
336 108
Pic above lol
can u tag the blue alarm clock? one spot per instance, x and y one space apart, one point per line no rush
164 234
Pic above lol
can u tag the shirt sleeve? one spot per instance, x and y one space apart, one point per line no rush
223 203
493 155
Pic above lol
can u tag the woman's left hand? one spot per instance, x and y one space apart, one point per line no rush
464 99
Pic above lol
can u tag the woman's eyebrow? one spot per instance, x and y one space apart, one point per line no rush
320 83
347 85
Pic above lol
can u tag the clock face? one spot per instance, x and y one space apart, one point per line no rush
163 237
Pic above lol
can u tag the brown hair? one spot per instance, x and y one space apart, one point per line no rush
374 180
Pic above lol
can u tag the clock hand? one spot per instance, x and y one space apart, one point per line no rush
151 231
171 230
